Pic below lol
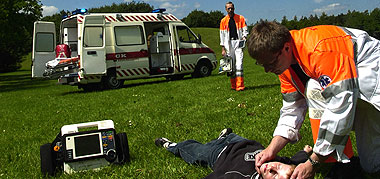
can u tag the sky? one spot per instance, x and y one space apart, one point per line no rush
252 10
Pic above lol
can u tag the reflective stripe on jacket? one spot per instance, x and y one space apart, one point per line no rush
241 28
327 54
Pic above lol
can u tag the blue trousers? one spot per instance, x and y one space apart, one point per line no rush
194 152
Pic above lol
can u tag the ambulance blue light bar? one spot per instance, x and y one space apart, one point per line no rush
159 10
79 11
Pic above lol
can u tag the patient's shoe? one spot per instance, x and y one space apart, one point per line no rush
225 132
163 142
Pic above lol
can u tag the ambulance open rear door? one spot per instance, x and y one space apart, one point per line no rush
93 58
44 41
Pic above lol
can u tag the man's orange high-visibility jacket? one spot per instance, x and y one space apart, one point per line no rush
241 28
332 56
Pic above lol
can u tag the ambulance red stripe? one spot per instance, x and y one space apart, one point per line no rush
80 19
174 17
129 18
133 17
125 73
164 18
142 54
112 18
122 19
187 51
170 17
152 16
134 70
144 18
126 55
107 19
138 18
149 18
130 72
118 73
141 71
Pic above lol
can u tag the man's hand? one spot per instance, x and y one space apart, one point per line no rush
303 170
306 170
262 157
224 52
270 152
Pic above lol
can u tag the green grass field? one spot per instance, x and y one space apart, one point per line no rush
33 111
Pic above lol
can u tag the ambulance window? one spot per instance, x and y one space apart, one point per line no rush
44 42
93 37
185 35
129 35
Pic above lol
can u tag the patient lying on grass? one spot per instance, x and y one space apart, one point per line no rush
232 156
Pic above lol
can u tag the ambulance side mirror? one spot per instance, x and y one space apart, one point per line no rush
199 40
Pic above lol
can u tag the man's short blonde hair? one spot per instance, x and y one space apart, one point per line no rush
229 2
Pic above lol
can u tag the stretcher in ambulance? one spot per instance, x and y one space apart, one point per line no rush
104 49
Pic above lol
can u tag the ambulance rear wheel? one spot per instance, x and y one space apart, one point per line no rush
202 69
111 82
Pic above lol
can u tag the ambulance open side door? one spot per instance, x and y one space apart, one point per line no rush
44 41
177 56
93 57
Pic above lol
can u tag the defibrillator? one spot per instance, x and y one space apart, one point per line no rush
80 147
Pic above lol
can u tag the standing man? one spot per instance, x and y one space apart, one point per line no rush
234 31
335 73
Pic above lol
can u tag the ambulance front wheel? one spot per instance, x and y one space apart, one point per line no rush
202 69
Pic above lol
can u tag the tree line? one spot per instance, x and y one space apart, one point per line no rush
367 21
18 17
197 18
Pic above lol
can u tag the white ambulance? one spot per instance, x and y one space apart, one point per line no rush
104 49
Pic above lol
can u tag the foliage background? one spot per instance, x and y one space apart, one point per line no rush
17 18
368 21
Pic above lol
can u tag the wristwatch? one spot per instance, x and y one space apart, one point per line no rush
314 163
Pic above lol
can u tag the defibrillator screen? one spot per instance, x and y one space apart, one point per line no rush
87 145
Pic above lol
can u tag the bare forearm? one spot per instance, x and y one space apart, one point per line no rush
277 143
271 151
